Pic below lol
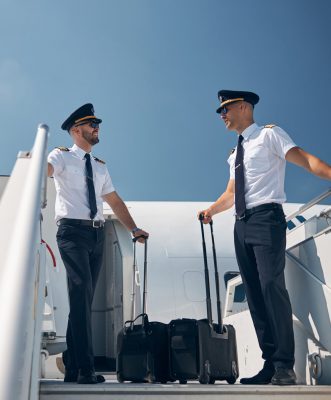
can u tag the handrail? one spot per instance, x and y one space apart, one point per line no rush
234 282
310 204
230 292
21 259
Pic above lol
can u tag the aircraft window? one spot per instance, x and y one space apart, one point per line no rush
239 294
290 225
300 218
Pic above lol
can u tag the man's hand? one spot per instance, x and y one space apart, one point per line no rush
207 216
140 232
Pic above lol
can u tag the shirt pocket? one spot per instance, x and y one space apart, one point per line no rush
76 177
99 181
257 160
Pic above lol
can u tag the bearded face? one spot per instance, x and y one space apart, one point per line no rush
91 135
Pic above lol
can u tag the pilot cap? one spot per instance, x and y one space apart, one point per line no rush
83 113
231 96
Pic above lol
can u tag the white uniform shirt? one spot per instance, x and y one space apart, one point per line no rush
265 149
70 183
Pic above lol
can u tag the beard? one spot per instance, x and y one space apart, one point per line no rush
92 140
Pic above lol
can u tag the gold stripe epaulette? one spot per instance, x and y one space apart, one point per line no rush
269 126
63 148
98 160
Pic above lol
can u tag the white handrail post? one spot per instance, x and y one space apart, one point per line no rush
230 292
20 211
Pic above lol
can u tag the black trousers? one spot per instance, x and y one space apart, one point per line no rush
81 249
260 240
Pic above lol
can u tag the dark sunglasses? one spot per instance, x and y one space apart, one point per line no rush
92 124
224 110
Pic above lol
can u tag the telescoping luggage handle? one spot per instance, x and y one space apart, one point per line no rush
134 282
208 300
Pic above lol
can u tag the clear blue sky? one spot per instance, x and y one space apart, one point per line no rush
152 69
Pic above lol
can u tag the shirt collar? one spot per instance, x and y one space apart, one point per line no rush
80 152
249 130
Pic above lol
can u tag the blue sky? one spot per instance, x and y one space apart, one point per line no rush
152 69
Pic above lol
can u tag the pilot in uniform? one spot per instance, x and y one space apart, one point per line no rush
256 186
82 183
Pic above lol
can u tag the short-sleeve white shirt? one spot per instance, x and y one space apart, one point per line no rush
70 183
265 149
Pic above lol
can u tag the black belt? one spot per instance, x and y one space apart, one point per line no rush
85 222
262 207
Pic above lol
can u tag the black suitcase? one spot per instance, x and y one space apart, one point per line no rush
142 348
199 349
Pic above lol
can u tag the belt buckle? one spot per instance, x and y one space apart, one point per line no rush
96 224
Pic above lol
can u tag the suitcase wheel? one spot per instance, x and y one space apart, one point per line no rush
232 379
119 378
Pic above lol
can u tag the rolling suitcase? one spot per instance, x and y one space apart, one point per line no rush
142 348
200 349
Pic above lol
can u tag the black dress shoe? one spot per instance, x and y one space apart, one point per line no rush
284 376
100 378
70 375
261 378
89 377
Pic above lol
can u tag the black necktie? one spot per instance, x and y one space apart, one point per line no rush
239 179
90 187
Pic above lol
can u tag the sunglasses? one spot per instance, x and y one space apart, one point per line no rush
92 124
224 110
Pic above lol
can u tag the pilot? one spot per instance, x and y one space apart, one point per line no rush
256 187
82 183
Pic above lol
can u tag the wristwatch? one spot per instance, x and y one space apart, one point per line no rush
134 230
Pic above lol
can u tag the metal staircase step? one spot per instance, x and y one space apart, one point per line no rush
57 390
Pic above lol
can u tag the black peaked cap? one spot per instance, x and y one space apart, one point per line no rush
231 96
85 112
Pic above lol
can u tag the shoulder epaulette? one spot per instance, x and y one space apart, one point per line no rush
269 126
63 148
98 160
232 151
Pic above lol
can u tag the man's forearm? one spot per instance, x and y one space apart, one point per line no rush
319 167
122 213
223 203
